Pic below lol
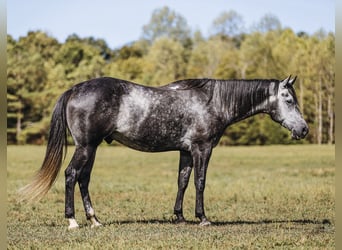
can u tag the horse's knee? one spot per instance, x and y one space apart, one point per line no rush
184 177
183 184
200 184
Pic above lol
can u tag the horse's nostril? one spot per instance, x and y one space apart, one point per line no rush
305 131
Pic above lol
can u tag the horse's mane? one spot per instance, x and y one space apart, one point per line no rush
238 87
187 84
199 83
236 94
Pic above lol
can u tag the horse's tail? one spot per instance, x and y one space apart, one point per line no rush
52 163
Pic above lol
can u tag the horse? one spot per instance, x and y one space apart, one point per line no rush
188 116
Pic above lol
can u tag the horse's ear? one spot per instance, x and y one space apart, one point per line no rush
284 83
292 81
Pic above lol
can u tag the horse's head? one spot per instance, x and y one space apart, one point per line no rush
285 109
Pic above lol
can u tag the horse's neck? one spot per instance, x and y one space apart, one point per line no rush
240 101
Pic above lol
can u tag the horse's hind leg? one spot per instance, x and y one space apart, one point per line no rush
185 167
83 156
83 182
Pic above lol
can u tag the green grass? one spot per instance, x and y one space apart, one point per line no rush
257 198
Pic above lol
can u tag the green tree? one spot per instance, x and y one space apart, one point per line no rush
81 59
99 44
256 57
128 62
165 62
322 85
26 80
229 24
268 22
165 22
207 56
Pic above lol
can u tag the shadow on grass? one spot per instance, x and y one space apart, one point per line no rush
301 221
221 223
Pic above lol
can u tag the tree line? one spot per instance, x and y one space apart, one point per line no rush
40 68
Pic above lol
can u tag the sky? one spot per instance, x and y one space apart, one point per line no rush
121 22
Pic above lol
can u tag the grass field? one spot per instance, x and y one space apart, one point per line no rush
256 197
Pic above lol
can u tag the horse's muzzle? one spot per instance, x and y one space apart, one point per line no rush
300 133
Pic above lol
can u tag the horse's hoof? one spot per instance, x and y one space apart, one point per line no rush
95 222
180 221
96 225
205 223
72 224
73 227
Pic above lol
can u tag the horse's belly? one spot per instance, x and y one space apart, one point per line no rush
148 142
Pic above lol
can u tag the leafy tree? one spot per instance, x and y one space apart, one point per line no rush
26 79
81 59
323 61
207 56
128 62
256 56
14 118
268 22
164 62
165 22
99 44
229 24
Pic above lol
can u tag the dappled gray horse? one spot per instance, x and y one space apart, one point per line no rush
189 116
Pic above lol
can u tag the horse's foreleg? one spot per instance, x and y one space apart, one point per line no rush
83 182
201 160
185 167
72 173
